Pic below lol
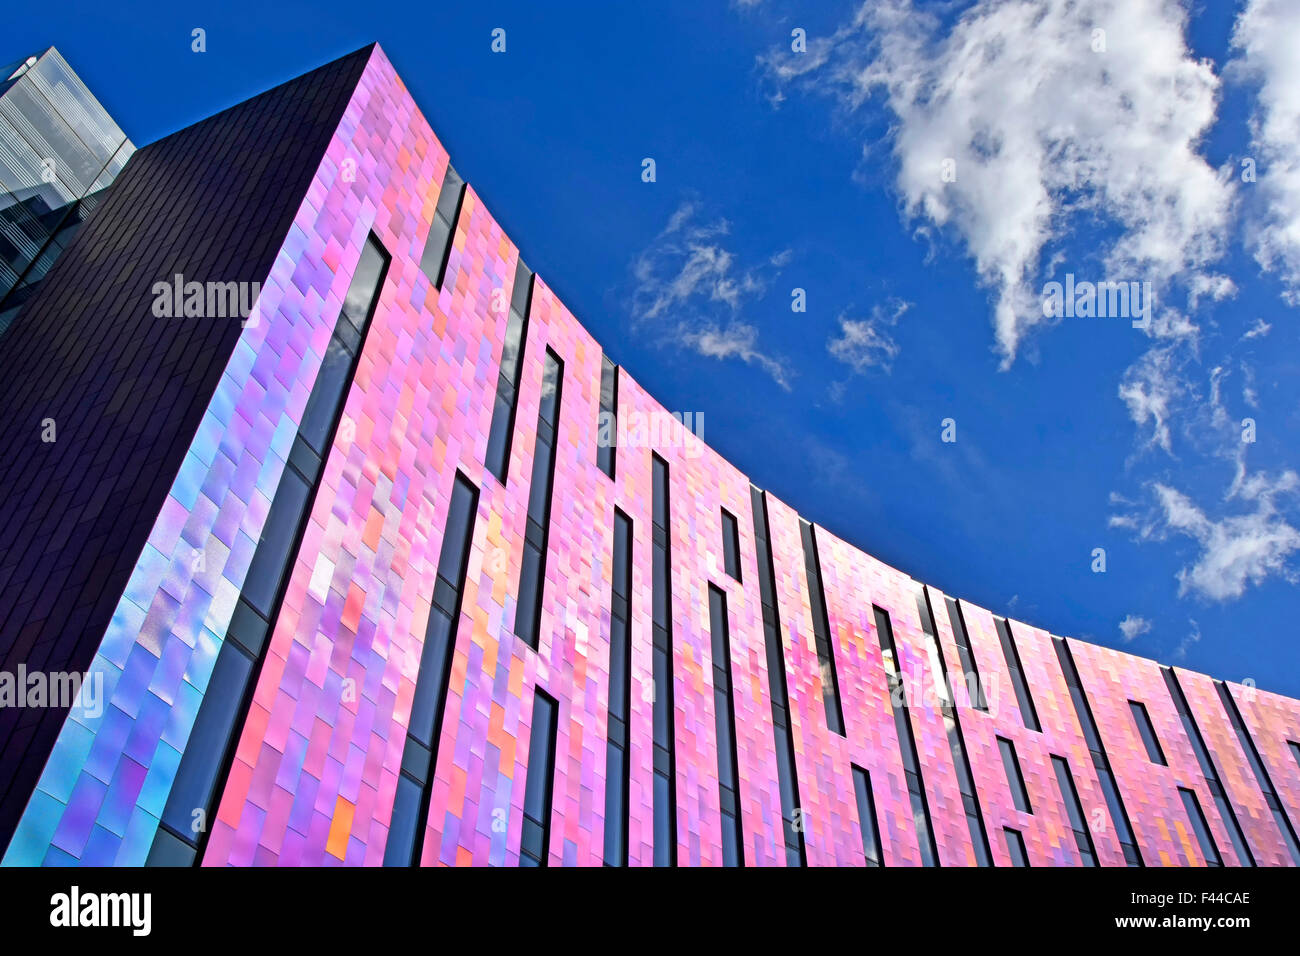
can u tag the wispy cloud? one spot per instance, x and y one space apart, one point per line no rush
1241 547
1150 388
691 290
736 340
1244 536
1193 637
868 343
1041 129
1258 330
1133 627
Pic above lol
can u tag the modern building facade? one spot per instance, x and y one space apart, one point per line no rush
59 151
371 556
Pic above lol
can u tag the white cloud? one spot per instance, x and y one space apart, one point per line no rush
1193 637
736 340
1133 627
867 343
1267 41
1258 330
1044 132
1236 550
690 288
1150 388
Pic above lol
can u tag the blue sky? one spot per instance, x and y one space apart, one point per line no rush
1114 158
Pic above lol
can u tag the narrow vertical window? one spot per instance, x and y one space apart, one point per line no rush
1261 774
971 674
787 774
906 741
534 844
1026 701
1295 751
730 544
607 425
1226 813
1148 732
414 784
867 817
1074 809
956 740
620 692
724 711
1015 779
1016 847
437 248
532 571
821 630
224 708
1201 827
1101 763
501 432
665 769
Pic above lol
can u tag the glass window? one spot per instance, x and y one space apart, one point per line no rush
209 741
533 569
406 834
405 823
971 674
730 544
1028 713
725 722
787 776
326 396
906 740
821 631
665 850
363 291
1014 779
449 195
607 423
435 249
1074 809
660 492
511 348
1016 847
522 292
620 650
1148 732
275 547
1200 827
615 807
498 446
541 775
458 532
867 817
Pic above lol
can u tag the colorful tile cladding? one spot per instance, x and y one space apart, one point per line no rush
315 771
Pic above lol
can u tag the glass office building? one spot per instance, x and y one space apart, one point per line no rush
357 578
59 150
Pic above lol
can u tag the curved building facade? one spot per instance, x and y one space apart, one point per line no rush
370 556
